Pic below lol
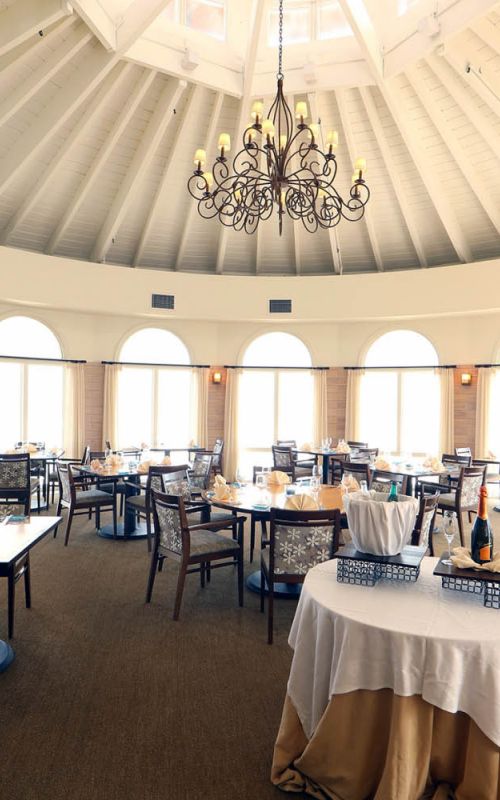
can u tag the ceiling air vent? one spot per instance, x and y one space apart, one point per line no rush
163 301
280 306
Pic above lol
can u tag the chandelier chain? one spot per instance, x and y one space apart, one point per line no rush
280 42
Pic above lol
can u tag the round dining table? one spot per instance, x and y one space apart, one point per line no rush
251 499
393 693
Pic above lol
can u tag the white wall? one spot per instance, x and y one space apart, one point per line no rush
93 307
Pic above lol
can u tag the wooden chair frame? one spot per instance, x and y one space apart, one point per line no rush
79 507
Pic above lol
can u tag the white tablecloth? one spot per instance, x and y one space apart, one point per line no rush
413 638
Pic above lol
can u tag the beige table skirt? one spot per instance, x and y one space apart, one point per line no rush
375 745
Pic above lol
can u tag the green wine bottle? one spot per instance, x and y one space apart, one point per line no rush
482 535
393 494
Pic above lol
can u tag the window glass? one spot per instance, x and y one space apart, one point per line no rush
45 395
332 23
296 25
277 349
11 404
154 346
494 418
295 406
401 348
175 403
135 406
23 336
379 409
208 16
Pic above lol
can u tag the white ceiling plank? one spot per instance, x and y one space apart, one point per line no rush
434 189
100 100
244 113
459 61
21 56
455 89
316 113
102 157
358 18
164 186
161 119
210 146
55 115
385 150
26 90
435 113
489 33
99 20
136 19
353 154
22 20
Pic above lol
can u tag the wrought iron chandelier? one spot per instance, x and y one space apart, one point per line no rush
280 167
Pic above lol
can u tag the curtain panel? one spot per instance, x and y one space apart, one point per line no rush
200 377
353 398
110 411
447 411
320 420
231 444
485 377
74 410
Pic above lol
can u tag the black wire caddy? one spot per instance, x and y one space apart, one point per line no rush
483 584
364 569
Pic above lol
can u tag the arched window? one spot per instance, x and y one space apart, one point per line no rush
155 403
273 403
400 407
31 402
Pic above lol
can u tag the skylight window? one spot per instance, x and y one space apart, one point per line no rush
306 21
206 16
405 5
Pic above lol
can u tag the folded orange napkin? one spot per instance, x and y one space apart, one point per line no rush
219 480
381 463
166 460
143 467
278 477
343 447
223 492
307 446
350 484
301 502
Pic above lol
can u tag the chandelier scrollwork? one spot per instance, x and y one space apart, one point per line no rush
280 167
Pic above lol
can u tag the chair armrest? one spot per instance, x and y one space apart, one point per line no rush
216 526
437 488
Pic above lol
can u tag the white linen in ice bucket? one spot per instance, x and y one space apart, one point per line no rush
378 527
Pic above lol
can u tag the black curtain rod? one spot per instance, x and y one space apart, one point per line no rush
478 366
240 366
434 366
152 364
37 358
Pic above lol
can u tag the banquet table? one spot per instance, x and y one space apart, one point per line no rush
393 693
131 476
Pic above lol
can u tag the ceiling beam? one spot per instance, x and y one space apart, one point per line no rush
210 146
358 18
137 18
251 58
353 154
461 96
65 102
488 32
399 191
99 20
477 79
23 92
160 200
316 113
119 126
460 156
21 56
150 140
97 103
22 20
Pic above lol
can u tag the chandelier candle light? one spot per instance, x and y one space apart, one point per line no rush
279 168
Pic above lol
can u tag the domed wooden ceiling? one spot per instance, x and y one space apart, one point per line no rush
103 103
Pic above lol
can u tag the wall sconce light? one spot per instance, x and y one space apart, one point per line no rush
466 379
217 377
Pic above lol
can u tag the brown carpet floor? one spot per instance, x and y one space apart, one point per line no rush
109 699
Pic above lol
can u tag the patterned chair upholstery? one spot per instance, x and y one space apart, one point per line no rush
381 481
298 541
464 498
194 546
16 482
424 524
199 473
284 461
308 462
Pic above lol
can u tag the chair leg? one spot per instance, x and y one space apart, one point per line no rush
240 578
115 521
208 572
252 537
202 576
180 589
121 503
38 499
460 527
262 590
152 574
161 559
68 526
270 611
97 518
11 597
27 582
148 530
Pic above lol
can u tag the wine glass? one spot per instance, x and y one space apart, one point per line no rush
449 530
315 478
260 480
345 482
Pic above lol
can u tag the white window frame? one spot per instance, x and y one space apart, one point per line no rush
180 16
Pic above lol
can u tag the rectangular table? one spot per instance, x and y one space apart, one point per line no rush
16 540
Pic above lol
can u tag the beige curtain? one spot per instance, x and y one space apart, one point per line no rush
484 380
320 422
447 411
200 376
110 411
352 415
74 410
231 445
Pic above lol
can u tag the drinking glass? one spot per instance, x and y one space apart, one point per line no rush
329 443
315 478
345 482
449 530
260 480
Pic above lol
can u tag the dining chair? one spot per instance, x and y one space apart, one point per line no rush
283 460
300 460
298 541
193 546
141 503
359 470
424 524
199 472
363 454
492 469
381 481
465 497
363 445
81 502
17 485
463 451
118 487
